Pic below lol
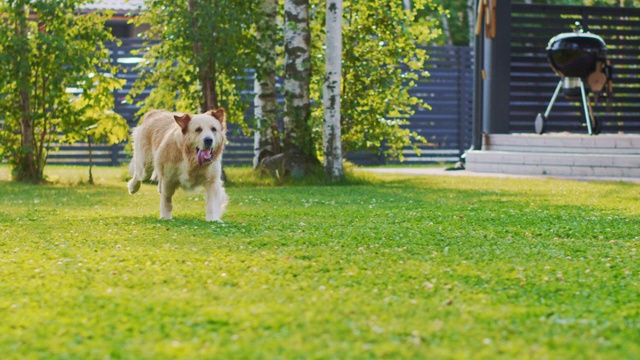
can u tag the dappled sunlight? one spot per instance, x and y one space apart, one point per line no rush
412 265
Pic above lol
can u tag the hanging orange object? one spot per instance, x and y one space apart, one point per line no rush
486 15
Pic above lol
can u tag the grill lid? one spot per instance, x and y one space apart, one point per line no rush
574 54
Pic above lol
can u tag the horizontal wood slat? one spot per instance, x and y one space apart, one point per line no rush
448 90
447 126
533 81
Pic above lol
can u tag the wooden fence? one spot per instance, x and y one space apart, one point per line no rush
533 81
447 126
448 89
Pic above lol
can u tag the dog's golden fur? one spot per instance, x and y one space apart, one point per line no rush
181 150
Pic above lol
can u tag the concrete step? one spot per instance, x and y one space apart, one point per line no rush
609 155
564 143
561 164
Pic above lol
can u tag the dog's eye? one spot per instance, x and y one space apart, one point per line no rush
198 130
214 129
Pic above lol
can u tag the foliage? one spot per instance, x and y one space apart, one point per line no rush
428 31
375 99
98 123
97 119
379 47
222 30
60 49
457 13
430 267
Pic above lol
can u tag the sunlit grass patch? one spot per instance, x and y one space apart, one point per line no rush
394 266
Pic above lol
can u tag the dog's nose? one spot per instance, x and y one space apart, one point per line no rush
208 142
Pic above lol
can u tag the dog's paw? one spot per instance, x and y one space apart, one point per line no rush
218 220
134 186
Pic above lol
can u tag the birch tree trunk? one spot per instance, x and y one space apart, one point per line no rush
331 94
298 157
297 72
266 142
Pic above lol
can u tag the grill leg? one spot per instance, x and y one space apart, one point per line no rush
553 99
587 109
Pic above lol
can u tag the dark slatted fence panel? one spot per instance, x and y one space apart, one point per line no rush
533 81
128 55
446 126
446 119
448 91
79 154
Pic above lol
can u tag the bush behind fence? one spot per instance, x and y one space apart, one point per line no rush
446 126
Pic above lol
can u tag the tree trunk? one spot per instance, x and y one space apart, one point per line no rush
471 11
90 160
26 169
209 91
297 159
266 142
446 29
207 67
297 73
331 95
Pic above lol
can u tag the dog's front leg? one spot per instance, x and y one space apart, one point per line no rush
166 192
216 201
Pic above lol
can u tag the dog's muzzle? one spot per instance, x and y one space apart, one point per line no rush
204 155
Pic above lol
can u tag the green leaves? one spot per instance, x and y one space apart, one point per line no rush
62 52
202 42
380 62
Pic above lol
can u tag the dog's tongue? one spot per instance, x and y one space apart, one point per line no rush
203 156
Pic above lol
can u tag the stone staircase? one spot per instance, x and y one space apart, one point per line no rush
558 154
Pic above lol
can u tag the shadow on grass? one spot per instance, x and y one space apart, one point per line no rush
546 209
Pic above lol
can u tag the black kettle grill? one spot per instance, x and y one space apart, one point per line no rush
580 58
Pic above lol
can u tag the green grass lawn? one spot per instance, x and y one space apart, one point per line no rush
394 267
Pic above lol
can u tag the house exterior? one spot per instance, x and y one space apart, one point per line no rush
124 10
515 82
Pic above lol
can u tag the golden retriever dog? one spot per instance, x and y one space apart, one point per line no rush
181 150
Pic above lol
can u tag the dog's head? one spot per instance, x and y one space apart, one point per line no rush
204 134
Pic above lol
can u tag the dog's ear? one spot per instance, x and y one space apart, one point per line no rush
220 115
183 121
